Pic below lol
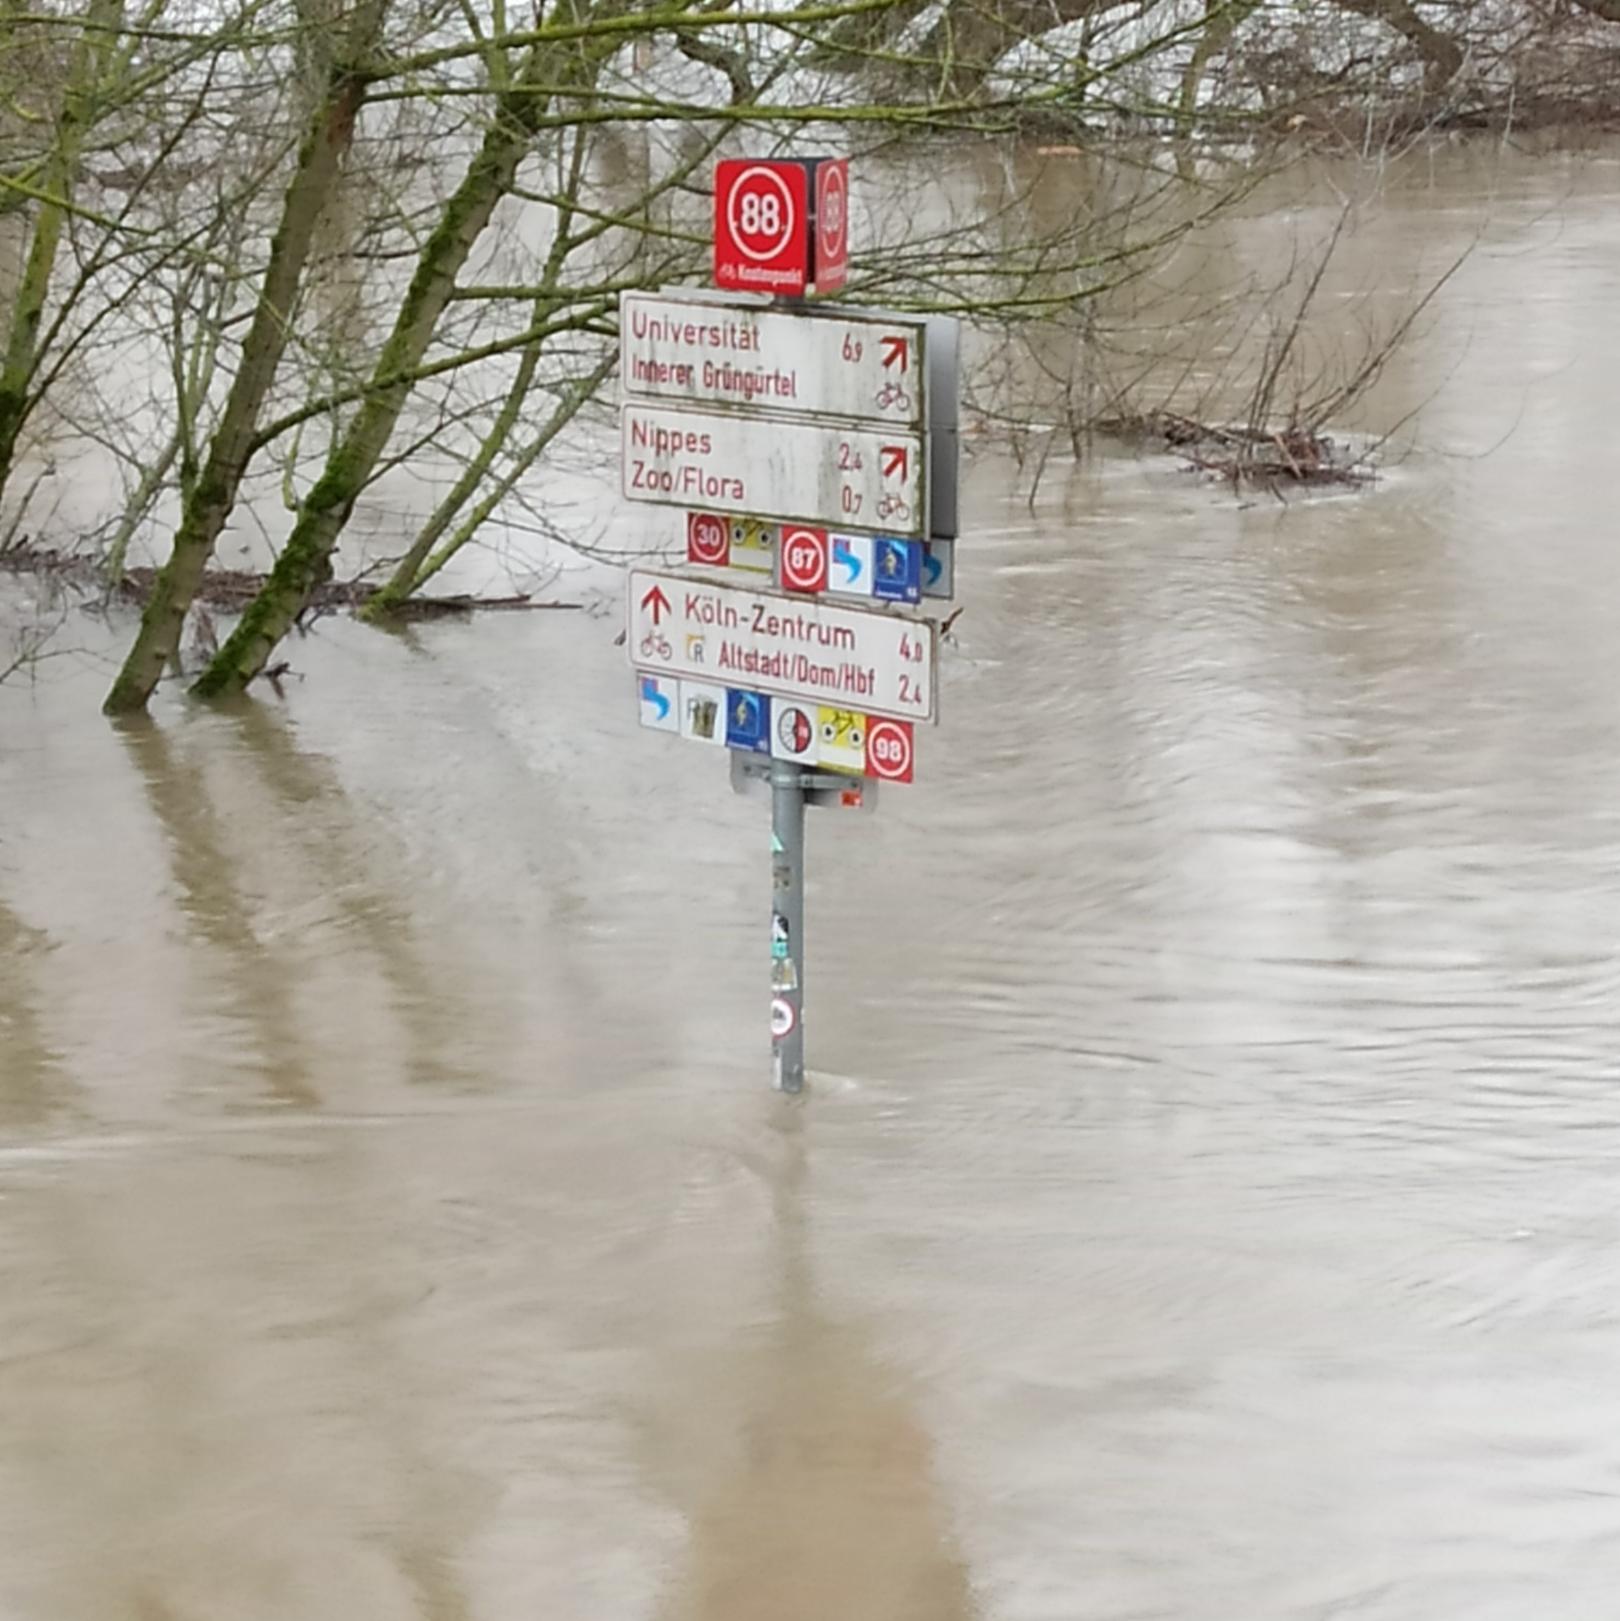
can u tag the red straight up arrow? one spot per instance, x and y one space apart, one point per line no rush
658 603
896 459
895 353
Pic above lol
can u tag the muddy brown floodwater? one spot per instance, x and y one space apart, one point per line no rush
1206 1205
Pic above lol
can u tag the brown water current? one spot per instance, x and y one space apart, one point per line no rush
1206 1204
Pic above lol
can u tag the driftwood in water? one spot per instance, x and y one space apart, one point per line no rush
1241 454
230 590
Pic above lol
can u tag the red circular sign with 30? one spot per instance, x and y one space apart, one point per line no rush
708 538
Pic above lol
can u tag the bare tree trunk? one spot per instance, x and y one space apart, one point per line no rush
1442 55
403 581
136 508
423 567
305 561
408 575
1223 18
972 36
55 186
208 505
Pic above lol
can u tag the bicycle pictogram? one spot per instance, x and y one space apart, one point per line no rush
655 643
893 506
892 395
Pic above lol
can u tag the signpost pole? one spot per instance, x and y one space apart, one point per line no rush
787 898
787 425
787 925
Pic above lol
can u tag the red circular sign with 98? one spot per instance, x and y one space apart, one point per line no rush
889 750
708 538
804 559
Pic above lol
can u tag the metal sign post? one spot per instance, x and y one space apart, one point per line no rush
792 789
818 447
787 926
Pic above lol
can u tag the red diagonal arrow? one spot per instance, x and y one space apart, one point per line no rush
895 353
658 603
896 459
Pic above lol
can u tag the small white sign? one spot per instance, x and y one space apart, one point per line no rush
775 467
681 347
840 657
794 733
703 712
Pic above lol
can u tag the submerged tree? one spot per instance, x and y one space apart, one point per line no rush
540 114
329 125
353 241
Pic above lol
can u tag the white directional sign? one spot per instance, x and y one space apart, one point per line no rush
864 367
845 658
775 467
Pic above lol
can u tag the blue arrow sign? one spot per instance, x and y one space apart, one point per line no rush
845 558
939 568
651 695
658 694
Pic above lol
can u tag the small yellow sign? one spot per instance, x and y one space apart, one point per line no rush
843 740
753 545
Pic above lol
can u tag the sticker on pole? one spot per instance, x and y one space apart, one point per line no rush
783 1018
804 559
890 754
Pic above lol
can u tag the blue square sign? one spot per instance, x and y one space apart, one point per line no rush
897 570
748 721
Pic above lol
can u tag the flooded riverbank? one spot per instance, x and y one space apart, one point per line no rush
1202 1203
